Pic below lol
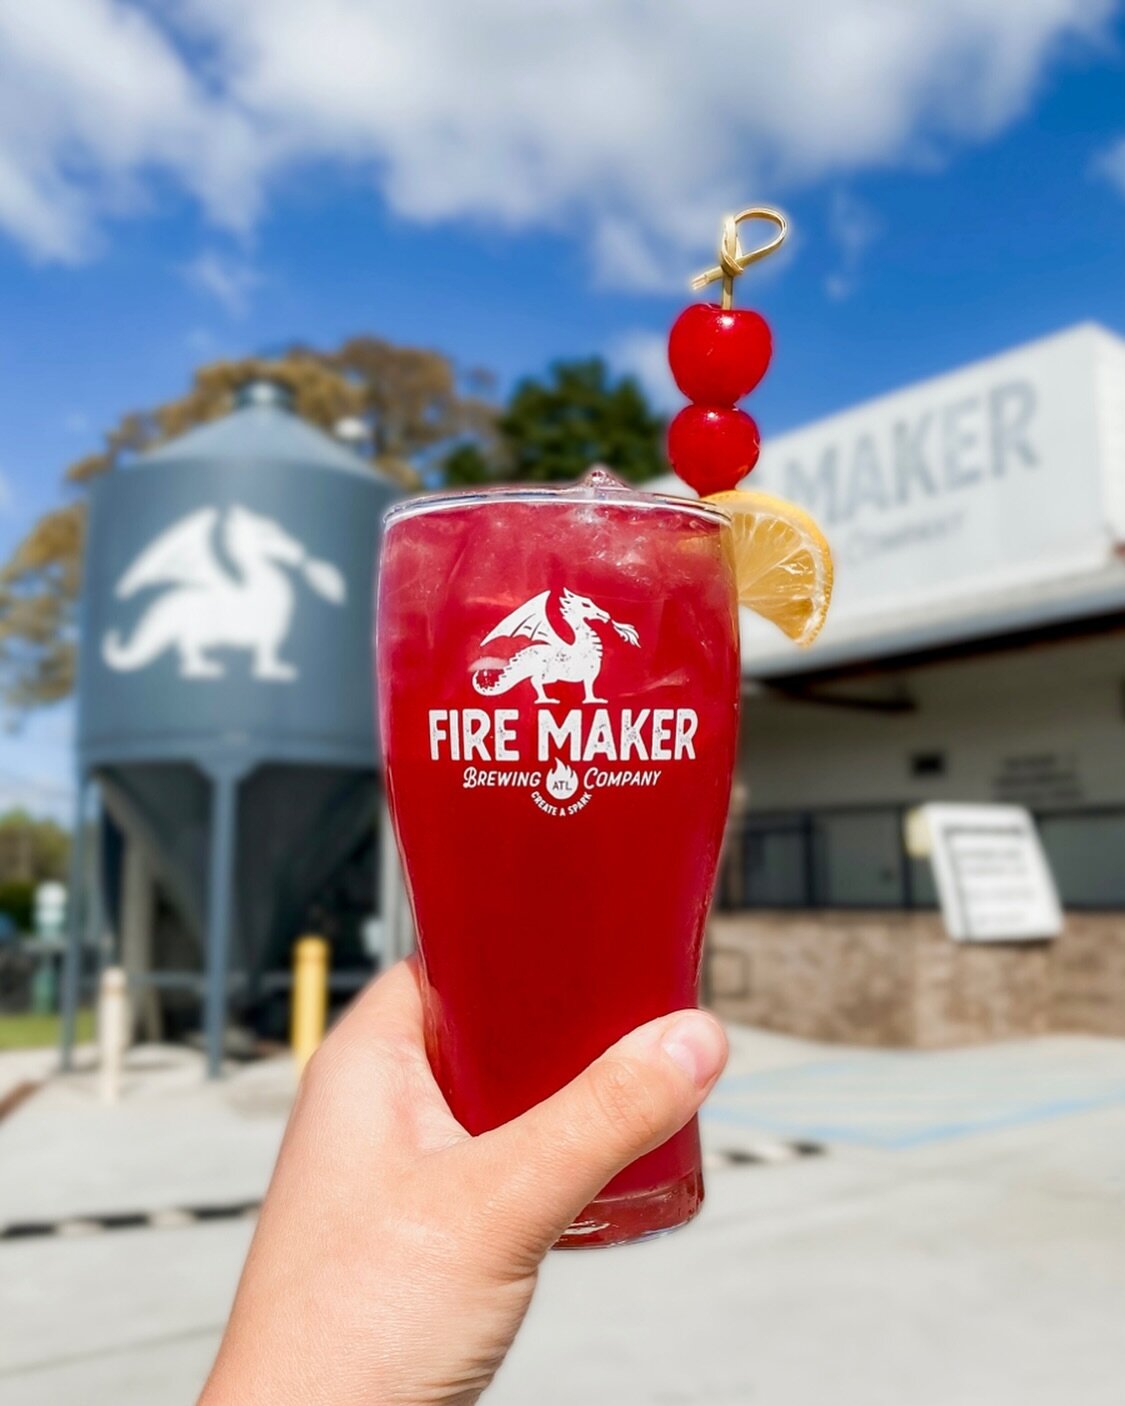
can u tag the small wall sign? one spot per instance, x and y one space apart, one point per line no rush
993 880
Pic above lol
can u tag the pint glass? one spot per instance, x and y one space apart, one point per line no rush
558 682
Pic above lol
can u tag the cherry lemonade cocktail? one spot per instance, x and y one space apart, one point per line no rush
558 680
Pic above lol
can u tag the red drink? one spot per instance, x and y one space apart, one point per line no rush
558 677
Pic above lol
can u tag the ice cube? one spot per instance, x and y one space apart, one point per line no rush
599 478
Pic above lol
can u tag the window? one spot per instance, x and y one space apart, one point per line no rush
841 858
1086 851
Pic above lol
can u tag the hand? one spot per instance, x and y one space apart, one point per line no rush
395 1256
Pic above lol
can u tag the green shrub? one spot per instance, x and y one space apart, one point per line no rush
17 899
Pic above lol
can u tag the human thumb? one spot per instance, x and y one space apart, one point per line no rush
546 1165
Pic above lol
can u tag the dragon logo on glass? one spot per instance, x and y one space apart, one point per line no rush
549 658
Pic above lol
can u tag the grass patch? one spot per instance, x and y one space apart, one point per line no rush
33 1032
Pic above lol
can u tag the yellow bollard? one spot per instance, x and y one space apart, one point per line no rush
309 997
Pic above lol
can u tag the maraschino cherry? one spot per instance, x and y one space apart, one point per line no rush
712 447
718 355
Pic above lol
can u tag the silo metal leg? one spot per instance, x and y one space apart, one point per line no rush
398 932
72 957
219 903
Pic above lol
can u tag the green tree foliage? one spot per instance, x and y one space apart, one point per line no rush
17 900
31 850
556 427
467 466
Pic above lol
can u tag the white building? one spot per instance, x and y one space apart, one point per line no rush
976 644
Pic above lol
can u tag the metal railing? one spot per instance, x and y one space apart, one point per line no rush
855 857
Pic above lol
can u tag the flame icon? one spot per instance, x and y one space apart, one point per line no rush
562 782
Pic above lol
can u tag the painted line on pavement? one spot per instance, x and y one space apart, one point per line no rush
763 1153
168 1218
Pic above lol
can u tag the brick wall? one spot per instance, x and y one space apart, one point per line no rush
1088 975
886 978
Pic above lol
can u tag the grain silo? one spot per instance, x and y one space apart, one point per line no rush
225 714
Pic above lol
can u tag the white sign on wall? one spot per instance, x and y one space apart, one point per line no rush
993 880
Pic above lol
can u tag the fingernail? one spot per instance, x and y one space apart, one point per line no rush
696 1044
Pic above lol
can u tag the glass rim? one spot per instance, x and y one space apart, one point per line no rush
578 495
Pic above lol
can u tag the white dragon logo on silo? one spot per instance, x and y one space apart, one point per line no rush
208 606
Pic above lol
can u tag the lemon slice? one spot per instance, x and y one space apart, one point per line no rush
782 563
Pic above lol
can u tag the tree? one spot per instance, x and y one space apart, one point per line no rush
17 904
467 466
31 850
557 427
410 402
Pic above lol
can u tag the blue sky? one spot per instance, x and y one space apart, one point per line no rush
512 185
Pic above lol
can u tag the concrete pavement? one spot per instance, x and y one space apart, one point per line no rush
962 1242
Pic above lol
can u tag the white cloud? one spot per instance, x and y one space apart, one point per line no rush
94 97
1110 164
230 281
634 125
200 340
853 226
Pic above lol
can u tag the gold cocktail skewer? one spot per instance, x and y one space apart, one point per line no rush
732 259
